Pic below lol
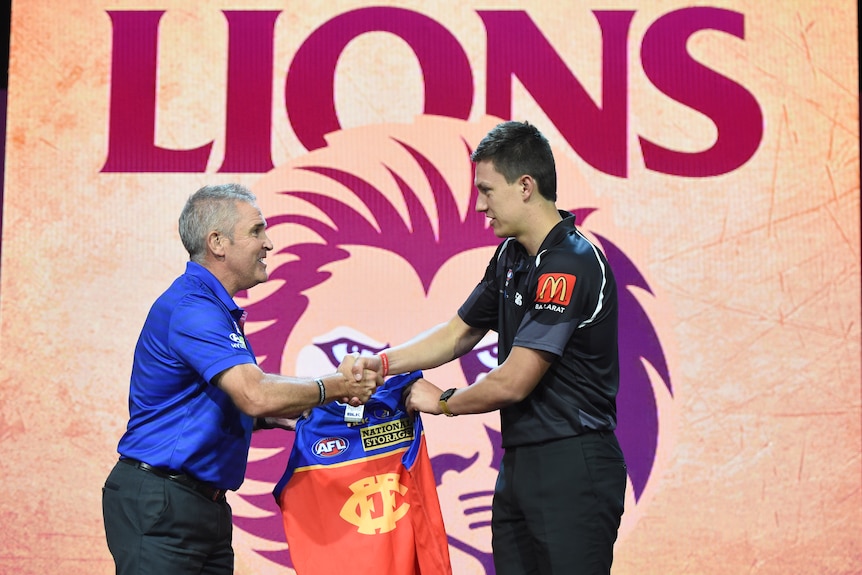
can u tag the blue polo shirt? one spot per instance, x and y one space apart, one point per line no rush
177 419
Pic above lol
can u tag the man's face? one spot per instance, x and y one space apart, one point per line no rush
244 255
499 200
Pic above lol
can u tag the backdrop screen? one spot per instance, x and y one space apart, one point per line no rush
710 149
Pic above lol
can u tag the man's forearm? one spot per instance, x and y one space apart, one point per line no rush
434 347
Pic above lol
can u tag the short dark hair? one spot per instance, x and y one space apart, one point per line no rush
518 148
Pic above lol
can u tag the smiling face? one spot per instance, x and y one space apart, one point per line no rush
500 201
244 254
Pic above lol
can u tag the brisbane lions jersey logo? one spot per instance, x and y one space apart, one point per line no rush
377 239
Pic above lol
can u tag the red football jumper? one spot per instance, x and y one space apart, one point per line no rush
359 497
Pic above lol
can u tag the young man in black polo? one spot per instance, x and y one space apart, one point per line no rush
551 296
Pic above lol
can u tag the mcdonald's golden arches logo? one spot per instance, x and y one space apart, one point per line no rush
555 288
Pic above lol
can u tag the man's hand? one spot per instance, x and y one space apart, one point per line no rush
358 389
424 397
365 363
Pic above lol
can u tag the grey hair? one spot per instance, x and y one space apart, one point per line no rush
211 208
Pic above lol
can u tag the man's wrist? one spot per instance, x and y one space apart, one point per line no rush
321 391
328 388
384 363
444 402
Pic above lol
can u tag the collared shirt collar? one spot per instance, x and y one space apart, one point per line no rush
208 279
559 231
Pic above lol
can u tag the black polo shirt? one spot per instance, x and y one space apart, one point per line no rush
562 301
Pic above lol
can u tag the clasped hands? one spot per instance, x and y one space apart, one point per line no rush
360 380
420 396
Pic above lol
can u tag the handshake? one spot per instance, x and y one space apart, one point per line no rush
364 374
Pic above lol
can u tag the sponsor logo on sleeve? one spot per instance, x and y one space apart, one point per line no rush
237 341
554 291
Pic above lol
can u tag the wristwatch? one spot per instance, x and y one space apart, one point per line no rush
444 407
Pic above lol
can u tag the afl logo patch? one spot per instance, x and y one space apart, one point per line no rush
330 446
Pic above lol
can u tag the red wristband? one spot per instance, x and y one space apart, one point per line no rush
384 363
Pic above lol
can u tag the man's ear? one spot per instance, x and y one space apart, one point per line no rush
215 243
528 186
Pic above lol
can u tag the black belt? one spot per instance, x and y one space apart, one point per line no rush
207 491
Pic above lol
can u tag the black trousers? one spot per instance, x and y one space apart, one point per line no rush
159 527
557 507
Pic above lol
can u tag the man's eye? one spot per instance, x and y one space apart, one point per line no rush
336 349
478 362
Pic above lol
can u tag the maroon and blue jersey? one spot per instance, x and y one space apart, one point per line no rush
362 484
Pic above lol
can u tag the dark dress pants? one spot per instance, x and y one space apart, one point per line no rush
557 507
159 527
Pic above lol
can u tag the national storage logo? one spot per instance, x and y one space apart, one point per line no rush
386 434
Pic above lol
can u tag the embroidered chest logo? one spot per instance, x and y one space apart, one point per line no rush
237 341
555 289
376 505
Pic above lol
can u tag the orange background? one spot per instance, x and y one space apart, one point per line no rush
756 273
